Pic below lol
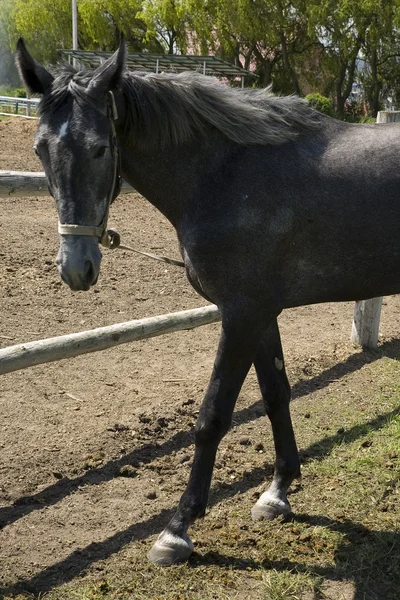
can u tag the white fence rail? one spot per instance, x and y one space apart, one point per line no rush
22 356
23 107
32 183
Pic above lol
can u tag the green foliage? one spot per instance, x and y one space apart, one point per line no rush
294 45
166 22
46 27
100 24
8 72
320 103
264 33
9 90
20 93
348 29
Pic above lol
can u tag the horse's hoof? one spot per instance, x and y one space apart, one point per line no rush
269 507
170 549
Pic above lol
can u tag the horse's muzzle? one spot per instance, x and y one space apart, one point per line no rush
78 262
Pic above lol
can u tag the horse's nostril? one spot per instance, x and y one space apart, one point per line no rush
89 271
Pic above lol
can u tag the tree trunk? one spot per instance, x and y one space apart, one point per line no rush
267 73
288 66
340 99
248 56
374 90
343 88
171 41
266 66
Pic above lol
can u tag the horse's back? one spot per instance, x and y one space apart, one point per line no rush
318 216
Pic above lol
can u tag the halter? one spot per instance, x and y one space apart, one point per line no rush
110 238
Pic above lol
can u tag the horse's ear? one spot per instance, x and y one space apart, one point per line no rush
35 77
108 76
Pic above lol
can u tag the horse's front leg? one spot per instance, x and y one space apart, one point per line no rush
275 390
237 349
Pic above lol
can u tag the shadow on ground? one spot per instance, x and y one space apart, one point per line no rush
369 559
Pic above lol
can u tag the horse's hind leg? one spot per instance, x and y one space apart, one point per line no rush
237 349
275 390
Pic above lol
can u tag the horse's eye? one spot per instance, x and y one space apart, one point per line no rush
100 152
35 150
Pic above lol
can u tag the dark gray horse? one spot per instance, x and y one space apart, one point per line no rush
274 205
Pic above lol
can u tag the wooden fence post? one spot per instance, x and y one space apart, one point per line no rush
365 328
367 313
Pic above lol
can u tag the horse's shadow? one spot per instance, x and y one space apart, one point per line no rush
80 560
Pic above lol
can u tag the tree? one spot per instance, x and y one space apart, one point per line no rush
340 27
298 46
101 23
48 26
8 72
381 49
167 24
45 27
267 34
351 30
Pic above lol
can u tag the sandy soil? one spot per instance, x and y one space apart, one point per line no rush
95 451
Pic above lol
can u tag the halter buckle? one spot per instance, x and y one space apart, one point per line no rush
110 239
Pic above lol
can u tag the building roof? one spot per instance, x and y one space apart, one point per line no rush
158 63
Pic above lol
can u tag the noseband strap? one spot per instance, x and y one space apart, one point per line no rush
80 230
100 232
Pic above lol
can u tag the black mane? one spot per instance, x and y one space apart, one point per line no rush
171 108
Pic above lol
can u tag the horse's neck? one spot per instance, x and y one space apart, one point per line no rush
169 178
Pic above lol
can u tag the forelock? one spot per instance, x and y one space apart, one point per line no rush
68 82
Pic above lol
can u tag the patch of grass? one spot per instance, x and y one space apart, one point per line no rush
287 585
365 452
9 90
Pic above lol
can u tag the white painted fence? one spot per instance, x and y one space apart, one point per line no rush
32 183
14 106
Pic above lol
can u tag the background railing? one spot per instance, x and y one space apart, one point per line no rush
21 107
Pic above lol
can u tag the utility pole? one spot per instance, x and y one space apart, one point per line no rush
74 30
74 26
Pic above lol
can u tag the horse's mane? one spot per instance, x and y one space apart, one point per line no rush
167 109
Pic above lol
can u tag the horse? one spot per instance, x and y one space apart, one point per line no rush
274 205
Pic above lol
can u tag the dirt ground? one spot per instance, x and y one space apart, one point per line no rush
96 450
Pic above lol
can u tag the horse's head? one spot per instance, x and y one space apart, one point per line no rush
76 144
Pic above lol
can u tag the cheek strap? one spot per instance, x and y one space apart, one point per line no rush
100 232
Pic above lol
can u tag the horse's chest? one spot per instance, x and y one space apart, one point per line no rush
194 280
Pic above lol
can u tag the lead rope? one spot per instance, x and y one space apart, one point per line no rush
114 241
109 238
